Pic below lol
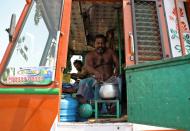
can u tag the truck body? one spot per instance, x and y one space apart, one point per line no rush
152 40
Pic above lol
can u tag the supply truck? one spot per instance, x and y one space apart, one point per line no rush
150 37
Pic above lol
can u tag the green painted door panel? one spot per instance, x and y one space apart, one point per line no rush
158 93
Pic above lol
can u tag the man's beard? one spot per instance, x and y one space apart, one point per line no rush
100 50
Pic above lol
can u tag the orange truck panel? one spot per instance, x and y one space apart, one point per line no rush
28 112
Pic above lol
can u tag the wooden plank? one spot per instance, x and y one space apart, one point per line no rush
107 120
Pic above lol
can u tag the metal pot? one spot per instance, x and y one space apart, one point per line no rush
108 91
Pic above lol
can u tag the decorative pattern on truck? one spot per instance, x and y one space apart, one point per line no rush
147 31
27 76
171 12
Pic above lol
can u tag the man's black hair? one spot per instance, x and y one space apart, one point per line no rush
100 36
78 61
110 31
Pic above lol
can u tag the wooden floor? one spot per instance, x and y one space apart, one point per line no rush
108 120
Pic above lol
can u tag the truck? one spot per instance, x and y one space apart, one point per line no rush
150 37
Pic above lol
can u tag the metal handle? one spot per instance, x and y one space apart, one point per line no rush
132 45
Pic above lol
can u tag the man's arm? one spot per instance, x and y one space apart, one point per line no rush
89 64
84 73
90 67
116 63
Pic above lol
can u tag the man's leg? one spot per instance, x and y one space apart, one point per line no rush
85 91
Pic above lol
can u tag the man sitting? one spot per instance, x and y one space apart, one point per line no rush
103 64
81 71
81 74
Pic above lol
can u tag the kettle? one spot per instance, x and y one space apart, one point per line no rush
108 91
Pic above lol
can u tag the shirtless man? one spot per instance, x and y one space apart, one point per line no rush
102 63
81 71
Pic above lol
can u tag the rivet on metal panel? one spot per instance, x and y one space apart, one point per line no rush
128 3
132 58
61 33
56 83
167 55
159 5
129 78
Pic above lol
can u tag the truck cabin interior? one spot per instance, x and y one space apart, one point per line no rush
89 18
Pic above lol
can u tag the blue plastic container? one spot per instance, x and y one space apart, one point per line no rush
68 108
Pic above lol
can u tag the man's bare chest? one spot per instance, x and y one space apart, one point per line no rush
102 60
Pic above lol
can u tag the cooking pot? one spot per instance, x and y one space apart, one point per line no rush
108 91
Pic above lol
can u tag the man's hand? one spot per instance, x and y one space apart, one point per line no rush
116 73
99 76
74 76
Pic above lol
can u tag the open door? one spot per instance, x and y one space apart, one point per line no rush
30 71
157 92
146 36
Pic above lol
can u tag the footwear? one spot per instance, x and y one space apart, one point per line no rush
104 109
111 108
69 90
81 99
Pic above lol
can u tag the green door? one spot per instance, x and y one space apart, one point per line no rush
158 93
